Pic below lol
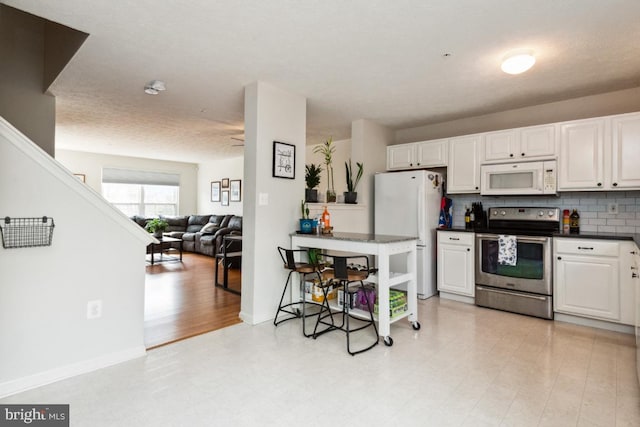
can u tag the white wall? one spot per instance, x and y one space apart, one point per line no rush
214 171
96 254
271 114
341 155
369 142
91 165
622 101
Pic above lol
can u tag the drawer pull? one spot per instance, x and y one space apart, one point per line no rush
634 275
454 238
585 247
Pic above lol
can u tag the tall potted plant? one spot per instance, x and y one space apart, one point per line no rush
327 149
312 178
351 196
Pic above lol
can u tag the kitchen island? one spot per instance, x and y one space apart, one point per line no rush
382 247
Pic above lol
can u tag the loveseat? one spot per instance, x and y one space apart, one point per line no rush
199 233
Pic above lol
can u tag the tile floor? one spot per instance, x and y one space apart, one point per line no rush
467 366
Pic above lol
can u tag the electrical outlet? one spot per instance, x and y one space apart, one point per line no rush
612 208
94 309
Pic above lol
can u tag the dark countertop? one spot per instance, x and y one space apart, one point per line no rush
586 235
458 229
602 236
359 237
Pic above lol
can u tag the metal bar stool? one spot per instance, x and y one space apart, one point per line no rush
345 271
304 269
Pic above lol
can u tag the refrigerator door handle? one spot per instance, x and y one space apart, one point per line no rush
421 215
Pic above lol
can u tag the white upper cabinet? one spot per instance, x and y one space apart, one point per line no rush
400 156
600 154
530 143
625 151
432 153
417 155
463 173
581 165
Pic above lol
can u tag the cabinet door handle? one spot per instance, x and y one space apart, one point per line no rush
468 249
418 164
585 247
522 154
615 184
511 155
410 164
559 258
599 184
476 188
634 275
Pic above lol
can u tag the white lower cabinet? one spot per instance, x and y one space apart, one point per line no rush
590 279
455 264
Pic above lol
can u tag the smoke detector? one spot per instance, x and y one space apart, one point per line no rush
154 87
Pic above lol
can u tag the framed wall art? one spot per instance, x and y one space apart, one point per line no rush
235 190
225 197
284 160
215 191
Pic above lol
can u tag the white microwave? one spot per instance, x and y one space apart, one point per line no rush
526 178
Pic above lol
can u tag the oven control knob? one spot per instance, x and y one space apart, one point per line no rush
495 213
551 214
503 213
540 213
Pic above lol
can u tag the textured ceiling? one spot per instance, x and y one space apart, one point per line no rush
377 60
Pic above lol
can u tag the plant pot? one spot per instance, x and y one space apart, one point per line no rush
306 226
331 196
351 197
157 235
310 195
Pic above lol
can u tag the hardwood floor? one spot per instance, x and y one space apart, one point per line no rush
181 300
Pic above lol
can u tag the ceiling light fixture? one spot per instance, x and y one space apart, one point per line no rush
518 62
154 87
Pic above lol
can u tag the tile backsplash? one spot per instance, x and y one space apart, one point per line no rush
592 207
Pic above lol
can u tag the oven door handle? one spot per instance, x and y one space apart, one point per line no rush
512 293
518 237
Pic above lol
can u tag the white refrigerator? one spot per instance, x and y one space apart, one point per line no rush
408 204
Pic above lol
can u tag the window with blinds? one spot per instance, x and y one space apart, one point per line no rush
142 193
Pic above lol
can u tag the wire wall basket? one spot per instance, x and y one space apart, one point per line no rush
26 232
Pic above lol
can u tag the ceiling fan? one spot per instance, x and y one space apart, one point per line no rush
240 139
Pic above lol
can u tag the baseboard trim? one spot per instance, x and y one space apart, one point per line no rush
594 323
456 297
19 385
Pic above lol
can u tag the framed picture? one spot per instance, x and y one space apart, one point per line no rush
225 182
235 191
284 160
80 176
225 197
215 191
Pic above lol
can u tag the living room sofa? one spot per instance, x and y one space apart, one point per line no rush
199 233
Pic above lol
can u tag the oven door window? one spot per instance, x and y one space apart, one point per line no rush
530 263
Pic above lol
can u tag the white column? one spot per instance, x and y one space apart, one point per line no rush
271 206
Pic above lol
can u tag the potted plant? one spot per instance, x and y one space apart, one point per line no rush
351 196
327 149
156 226
312 178
306 224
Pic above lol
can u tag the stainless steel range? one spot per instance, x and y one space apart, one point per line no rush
513 260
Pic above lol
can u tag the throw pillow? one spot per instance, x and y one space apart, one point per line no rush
209 228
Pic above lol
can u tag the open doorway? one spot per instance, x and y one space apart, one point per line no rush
181 299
